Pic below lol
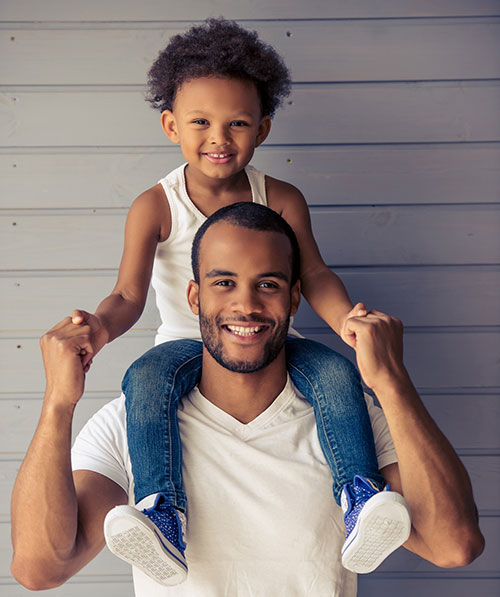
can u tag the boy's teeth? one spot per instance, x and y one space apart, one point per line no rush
243 331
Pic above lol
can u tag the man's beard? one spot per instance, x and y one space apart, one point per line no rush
212 342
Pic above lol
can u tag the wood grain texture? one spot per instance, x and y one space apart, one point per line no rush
345 175
394 50
156 10
347 236
344 113
419 296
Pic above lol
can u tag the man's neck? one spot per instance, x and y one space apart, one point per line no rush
244 396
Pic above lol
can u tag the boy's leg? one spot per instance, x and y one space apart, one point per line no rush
331 383
151 536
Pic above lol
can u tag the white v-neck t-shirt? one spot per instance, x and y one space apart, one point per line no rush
262 520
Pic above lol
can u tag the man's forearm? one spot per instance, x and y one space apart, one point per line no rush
44 505
433 480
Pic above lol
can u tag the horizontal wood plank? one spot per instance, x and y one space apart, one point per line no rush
104 586
416 586
443 360
56 297
419 296
358 236
345 113
394 50
362 175
156 10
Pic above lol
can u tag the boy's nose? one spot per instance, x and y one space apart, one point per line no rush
220 136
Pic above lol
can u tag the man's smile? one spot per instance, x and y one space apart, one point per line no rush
245 331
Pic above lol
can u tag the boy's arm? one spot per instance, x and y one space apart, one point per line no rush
57 518
323 289
429 473
148 223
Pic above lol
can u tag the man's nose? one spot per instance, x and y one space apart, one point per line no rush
248 301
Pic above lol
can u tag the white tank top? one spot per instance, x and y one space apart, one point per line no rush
172 263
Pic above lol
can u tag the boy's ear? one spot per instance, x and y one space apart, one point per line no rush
169 126
193 292
263 130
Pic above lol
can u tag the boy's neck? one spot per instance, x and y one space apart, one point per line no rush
209 194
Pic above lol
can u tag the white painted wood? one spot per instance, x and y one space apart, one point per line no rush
100 587
344 113
371 585
359 175
57 296
444 359
155 10
436 296
395 50
400 235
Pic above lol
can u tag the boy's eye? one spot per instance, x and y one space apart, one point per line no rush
202 121
239 123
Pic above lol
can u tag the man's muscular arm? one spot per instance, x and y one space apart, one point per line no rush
429 473
57 519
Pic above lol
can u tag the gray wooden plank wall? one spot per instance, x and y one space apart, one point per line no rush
393 134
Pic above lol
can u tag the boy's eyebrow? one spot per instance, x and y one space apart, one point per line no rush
220 272
203 112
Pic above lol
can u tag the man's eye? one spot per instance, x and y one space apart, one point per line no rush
268 285
224 283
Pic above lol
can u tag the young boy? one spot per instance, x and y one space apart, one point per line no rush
217 87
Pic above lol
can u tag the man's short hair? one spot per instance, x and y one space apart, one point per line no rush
254 217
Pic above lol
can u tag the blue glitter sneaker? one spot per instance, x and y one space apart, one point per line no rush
151 539
377 523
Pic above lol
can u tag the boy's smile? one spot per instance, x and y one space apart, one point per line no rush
218 124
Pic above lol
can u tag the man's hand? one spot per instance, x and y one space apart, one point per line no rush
99 335
63 348
379 348
349 337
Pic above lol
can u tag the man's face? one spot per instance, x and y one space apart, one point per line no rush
244 299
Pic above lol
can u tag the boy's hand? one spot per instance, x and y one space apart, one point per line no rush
346 333
98 335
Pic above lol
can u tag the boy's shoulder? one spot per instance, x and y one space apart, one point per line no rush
151 209
283 196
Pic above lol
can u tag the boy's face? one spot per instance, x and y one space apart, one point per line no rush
218 124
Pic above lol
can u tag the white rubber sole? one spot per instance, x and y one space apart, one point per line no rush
383 525
131 536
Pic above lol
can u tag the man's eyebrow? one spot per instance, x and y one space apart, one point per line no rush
213 273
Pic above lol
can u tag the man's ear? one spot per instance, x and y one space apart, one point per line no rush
263 130
169 126
295 298
193 293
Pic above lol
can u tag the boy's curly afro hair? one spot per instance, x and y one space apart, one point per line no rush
219 48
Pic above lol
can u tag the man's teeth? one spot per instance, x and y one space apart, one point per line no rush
244 331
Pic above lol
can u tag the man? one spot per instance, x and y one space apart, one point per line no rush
262 519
